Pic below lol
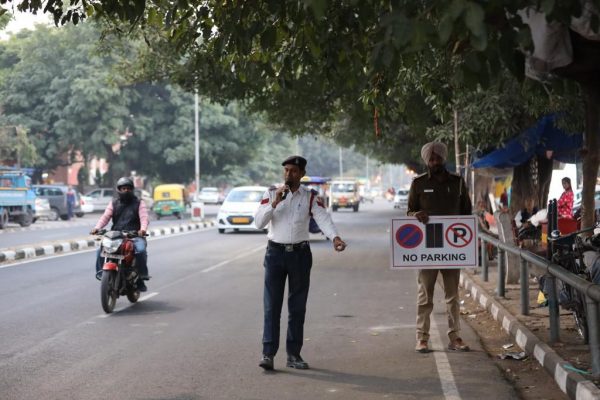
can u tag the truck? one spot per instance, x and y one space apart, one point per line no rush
344 194
17 197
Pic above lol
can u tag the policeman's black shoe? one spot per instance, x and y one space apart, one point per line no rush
295 361
145 277
141 286
99 275
266 363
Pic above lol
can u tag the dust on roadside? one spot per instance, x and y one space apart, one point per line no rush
528 377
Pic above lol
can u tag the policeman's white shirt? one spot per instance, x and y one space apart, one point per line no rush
289 220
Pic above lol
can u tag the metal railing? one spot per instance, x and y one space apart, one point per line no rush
589 290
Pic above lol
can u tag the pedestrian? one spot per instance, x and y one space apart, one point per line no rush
438 192
565 201
70 202
504 199
288 209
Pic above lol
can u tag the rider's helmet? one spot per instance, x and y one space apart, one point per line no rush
124 181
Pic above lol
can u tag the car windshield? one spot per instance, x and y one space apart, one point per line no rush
208 190
403 192
342 187
245 196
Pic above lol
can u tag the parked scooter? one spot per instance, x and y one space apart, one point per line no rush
119 275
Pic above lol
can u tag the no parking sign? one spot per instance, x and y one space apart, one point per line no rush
444 242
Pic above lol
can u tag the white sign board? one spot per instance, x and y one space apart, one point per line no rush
444 242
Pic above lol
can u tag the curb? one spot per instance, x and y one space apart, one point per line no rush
30 251
572 384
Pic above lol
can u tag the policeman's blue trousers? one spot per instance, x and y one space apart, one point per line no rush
295 267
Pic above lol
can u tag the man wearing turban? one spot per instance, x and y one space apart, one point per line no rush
438 192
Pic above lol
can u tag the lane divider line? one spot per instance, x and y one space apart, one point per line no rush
442 364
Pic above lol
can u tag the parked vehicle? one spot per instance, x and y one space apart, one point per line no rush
17 198
567 253
344 194
237 211
146 196
401 199
170 199
87 205
57 196
101 197
210 195
119 275
42 209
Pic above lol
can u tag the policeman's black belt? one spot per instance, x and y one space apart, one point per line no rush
289 247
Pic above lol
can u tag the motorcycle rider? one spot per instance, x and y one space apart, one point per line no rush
128 213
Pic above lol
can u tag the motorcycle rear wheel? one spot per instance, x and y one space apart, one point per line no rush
108 294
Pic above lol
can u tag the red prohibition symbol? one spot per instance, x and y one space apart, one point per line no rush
459 235
409 236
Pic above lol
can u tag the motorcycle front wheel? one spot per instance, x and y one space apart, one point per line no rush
108 294
133 295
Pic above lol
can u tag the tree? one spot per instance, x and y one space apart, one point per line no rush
307 63
15 147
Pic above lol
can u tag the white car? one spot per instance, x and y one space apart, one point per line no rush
42 209
87 204
210 195
237 211
401 199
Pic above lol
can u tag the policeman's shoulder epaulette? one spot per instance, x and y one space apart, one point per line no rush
454 174
313 191
421 175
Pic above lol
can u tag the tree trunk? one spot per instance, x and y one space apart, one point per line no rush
530 184
591 158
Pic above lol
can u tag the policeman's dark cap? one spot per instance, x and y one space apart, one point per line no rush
295 160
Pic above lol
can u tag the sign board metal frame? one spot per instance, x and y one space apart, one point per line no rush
444 242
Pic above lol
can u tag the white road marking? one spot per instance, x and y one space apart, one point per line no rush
443 365
116 310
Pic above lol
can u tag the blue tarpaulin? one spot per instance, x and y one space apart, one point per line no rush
537 140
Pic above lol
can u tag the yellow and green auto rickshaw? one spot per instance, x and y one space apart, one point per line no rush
170 200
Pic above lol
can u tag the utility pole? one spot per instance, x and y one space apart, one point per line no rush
456 147
196 145
368 179
341 164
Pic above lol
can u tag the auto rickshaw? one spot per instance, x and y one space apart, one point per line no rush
170 200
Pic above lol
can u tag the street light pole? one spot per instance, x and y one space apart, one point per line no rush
341 164
196 145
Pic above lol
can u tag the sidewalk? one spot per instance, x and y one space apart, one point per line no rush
567 361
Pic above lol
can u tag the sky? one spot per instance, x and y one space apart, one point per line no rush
24 21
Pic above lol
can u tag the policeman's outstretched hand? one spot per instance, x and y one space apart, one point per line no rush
338 244
94 231
142 233
422 216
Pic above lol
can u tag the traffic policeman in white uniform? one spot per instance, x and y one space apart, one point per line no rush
288 209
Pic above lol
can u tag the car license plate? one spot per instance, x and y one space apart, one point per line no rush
240 220
166 208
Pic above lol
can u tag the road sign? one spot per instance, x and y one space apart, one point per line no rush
409 236
444 242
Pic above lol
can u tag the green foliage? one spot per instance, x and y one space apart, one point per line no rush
15 146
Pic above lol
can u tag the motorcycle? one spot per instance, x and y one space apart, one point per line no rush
119 274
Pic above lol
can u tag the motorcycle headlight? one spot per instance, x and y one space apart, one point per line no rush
111 245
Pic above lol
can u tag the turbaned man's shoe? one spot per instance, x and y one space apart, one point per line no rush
458 345
422 346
